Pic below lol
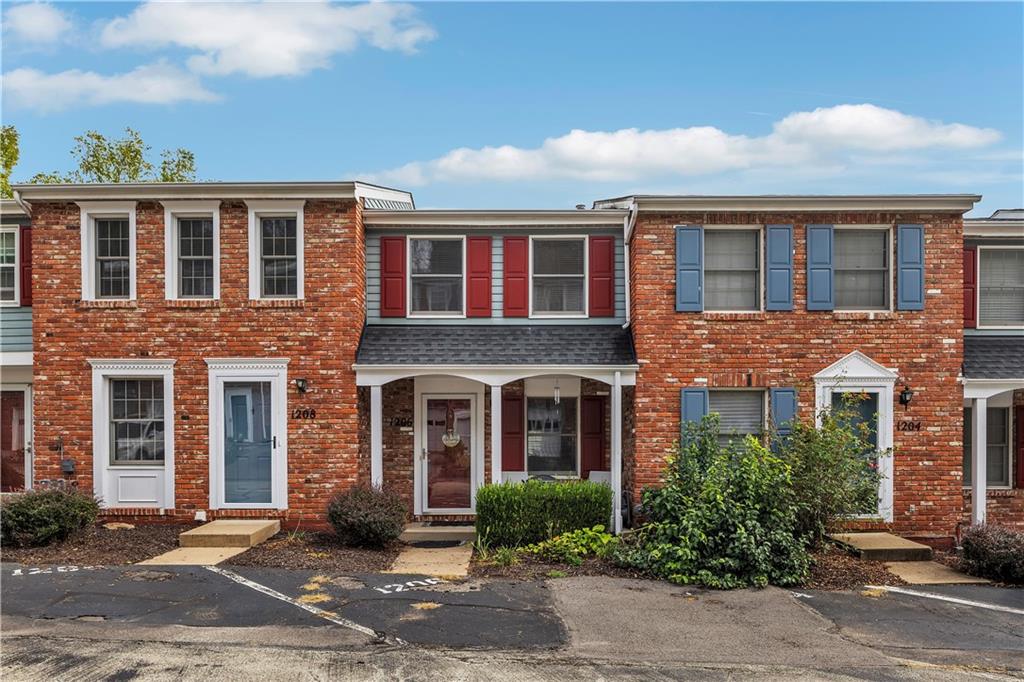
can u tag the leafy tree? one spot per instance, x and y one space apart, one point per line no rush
8 158
116 160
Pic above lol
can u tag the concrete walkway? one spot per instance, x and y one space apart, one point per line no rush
217 541
932 573
441 562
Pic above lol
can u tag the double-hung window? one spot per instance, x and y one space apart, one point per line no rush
551 436
113 258
740 413
136 421
9 266
997 450
192 244
862 265
276 250
1000 287
559 268
732 269
436 276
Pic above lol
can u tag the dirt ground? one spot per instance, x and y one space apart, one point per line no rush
99 546
317 551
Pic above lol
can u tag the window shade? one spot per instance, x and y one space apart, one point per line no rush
861 269
1001 283
558 257
731 270
739 412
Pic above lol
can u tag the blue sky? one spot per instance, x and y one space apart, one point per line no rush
545 105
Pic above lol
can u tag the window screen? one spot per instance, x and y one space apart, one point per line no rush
558 276
731 269
551 436
113 270
739 412
862 269
136 421
1001 287
195 257
8 264
997 456
436 275
279 257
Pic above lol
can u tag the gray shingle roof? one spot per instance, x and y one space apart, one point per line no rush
496 345
994 357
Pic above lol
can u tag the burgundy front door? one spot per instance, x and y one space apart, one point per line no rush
448 453
12 440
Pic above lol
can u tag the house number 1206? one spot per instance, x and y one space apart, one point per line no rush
307 413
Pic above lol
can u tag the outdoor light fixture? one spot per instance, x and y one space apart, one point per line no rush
302 385
558 393
906 395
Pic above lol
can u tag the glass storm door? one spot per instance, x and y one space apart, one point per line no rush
448 454
249 442
12 441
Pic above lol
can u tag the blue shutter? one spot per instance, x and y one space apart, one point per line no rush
693 405
689 269
820 284
910 260
783 409
779 256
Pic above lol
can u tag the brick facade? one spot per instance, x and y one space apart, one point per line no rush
785 349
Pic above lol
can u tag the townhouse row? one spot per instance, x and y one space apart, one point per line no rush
212 350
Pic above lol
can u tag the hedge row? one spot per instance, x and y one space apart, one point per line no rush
519 514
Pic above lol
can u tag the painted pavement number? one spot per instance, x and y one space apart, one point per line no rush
49 570
410 584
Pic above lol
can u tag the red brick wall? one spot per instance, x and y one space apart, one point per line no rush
319 335
788 348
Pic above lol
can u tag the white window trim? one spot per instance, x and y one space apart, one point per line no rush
274 370
16 231
761 267
544 387
977 292
90 211
408 278
586 278
102 372
173 210
275 209
1010 435
890 249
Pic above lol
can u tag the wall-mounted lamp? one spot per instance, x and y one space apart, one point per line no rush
906 395
302 385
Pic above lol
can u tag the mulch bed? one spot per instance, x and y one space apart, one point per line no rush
835 569
99 546
316 551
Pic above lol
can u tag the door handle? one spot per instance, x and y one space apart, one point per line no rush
274 439
423 455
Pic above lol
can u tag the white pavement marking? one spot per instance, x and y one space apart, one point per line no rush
953 600
337 620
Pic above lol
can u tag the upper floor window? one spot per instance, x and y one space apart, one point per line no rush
862 269
276 249
436 282
108 250
732 269
9 294
740 413
1000 287
559 279
192 244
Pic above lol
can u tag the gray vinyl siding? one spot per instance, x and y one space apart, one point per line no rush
15 329
497 278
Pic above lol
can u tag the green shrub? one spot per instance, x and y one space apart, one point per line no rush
40 517
518 514
832 476
573 547
723 517
366 517
993 552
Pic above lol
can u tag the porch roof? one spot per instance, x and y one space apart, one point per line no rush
994 357
496 345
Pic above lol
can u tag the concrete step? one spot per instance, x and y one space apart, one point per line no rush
932 573
194 556
883 547
230 533
422 531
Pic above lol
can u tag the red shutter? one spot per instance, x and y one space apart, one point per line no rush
478 280
591 435
513 441
602 276
970 287
392 276
1019 430
517 277
26 266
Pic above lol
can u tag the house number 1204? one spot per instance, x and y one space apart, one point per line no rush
307 413
908 426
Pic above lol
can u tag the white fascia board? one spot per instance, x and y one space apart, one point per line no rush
960 203
438 218
983 227
159 191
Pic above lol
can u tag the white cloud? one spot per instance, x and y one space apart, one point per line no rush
36 22
158 83
819 140
268 38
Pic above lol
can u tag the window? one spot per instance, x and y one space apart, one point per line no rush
997 455
195 257
740 413
113 258
559 276
9 266
732 262
861 269
1001 287
136 421
436 276
279 256
551 436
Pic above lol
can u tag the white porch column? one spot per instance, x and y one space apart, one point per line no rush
376 438
496 433
617 453
979 465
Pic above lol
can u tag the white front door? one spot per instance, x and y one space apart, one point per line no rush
448 449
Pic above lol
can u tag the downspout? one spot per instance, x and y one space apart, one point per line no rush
25 206
627 232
